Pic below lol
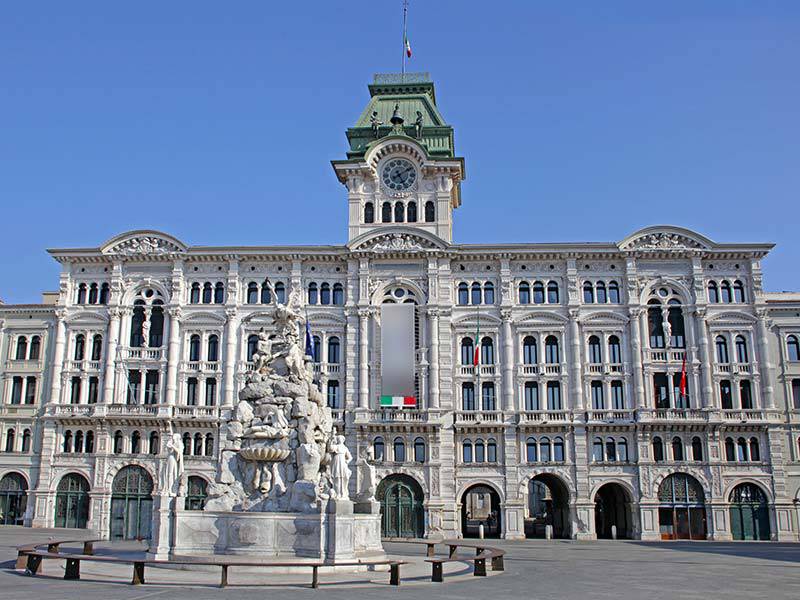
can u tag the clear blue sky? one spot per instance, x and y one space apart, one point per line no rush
216 121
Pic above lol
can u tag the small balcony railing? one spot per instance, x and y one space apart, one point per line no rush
468 370
133 353
673 414
544 416
204 366
397 415
665 355
610 416
477 417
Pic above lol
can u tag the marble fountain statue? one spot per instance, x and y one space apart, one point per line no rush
282 487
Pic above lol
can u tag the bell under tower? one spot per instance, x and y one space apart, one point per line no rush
401 169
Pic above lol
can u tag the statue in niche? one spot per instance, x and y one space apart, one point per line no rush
667 327
340 458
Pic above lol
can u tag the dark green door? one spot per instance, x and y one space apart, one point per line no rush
131 504
401 508
13 499
72 502
749 513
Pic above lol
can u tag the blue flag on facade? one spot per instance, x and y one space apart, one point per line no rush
309 341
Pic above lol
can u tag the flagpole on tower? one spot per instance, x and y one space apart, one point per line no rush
405 37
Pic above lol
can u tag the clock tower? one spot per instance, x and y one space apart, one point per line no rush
401 171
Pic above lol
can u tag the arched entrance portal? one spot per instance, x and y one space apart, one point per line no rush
402 513
72 501
131 504
13 499
612 509
480 505
682 510
548 504
749 513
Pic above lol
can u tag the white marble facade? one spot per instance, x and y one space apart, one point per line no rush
148 335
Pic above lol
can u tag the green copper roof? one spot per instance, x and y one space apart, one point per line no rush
409 92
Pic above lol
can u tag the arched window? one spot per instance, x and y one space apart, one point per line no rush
658 450
325 294
333 350
252 346
211 391
551 350
191 391
697 449
531 450
463 294
280 292
75 390
746 394
468 396
725 288
93 293
614 350
22 348
187 443
79 442
209 447
738 291
316 349
10 435
480 451
411 212
613 292
369 213
26 441
722 350
544 449
208 292
595 351
488 396
266 293
194 348
793 347
430 212
36 345
97 347
588 293
118 442
213 348
611 449
552 293
601 292
487 351
196 493
530 355
219 293
89 442
194 294
386 212
419 450
154 443
313 295
524 292
726 394
622 450
713 292
598 399
741 450
399 450
67 440
252 293
467 351
488 293
466 451
475 296
655 322
136 442
598 455
338 294
558 449
755 451
491 451
538 292
198 444
730 450
531 389
104 289
80 346
333 394
81 294
741 349
677 449
399 212
378 449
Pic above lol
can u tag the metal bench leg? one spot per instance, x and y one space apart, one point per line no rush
53 548
73 569
480 567
498 564
223 582
34 566
22 560
88 548
394 574
138 573
315 577
453 550
437 575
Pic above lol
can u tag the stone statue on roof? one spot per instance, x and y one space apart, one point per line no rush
418 125
375 122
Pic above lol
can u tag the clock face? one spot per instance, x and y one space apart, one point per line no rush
399 174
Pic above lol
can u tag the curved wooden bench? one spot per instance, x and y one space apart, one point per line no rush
430 544
53 547
482 554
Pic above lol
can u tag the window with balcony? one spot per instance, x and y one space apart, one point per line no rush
213 348
75 390
614 350
16 390
551 353
333 350
468 396
94 387
211 391
661 390
191 391
80 347
530 354
36 344
30 389
655 325
26 441
658 449
598 398
553 395
531 390
333 394
97 347
316 349
746 394
741 350
726 395
488 396
617 395
252 346
10 435
796 393
487 351
467 351
721 345
194 348
595 350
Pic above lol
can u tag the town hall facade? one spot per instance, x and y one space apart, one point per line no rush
647 388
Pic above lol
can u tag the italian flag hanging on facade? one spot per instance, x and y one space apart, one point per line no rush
398 401
476 358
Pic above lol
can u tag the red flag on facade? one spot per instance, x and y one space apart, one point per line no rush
477 354
683 377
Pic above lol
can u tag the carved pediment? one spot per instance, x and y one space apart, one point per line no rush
143 244
659 239
397 240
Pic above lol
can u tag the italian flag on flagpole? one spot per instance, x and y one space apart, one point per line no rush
407 45
398 401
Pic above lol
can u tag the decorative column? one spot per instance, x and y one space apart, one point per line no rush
433 385
636 355
173 354
764 363
231 328
363 358
575 362
115 314
58 356
508 362
705 358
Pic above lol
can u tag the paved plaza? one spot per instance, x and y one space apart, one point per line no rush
534 569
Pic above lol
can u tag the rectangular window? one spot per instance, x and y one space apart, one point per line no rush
661 390
151 387
681 400
746 394
93 390
617 395
531 395
75 392
16 390
211 391
488 397
726 395
333 394
553 395
191 391
796 393
30 390
598 401
468 397
134 383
